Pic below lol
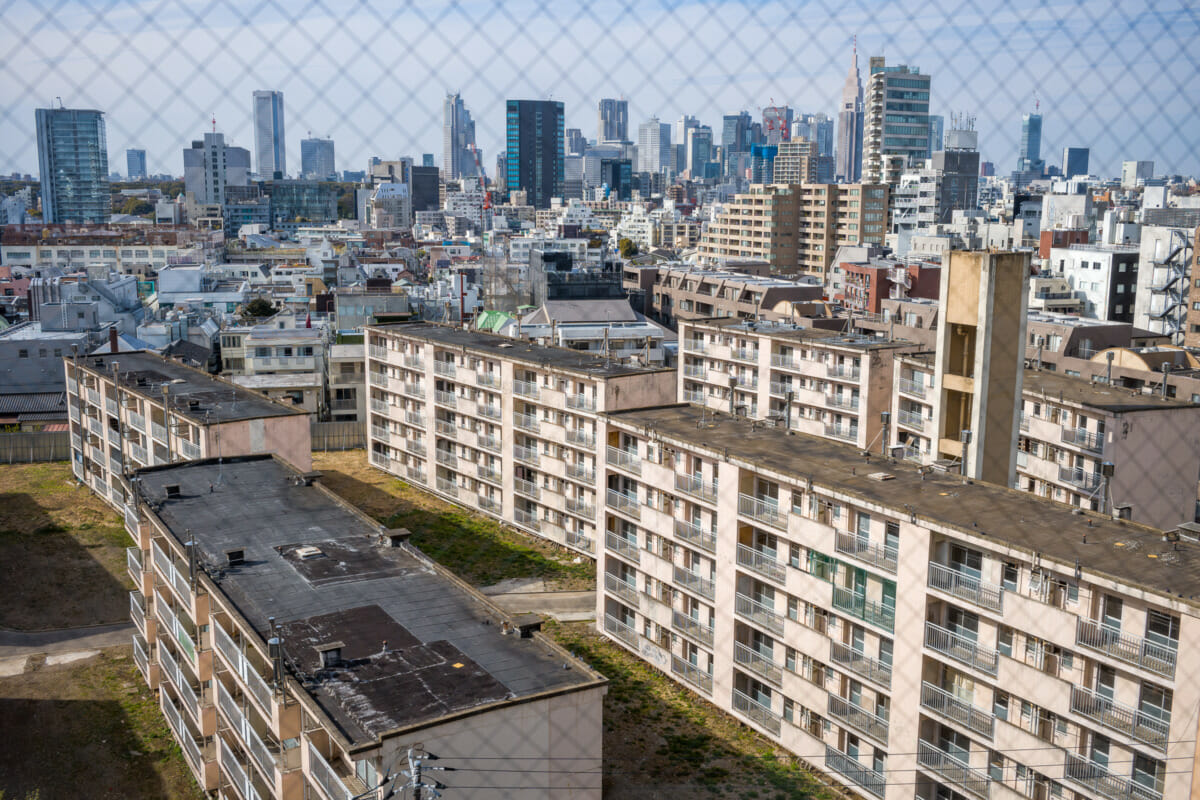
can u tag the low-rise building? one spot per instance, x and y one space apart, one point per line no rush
679 292
295 652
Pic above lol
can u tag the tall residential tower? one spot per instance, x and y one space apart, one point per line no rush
896 124
73 165
534 144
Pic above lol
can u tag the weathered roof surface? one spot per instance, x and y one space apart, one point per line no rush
1070 389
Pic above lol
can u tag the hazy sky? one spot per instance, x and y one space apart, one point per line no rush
1117 77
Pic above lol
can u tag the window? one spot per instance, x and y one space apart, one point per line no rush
1000 705
22 354
1162 628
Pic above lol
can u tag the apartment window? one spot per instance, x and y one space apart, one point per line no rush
1162 628
1000 705
22 354
1009 577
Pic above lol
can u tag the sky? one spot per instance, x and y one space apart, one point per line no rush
1117 77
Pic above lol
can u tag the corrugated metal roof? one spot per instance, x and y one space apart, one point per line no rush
34 402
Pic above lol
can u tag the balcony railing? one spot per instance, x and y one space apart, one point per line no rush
862 776
188 450
190 750
581 402
695 371
619 629
580 541
859 606
762 509
526 422
848 433
241 666
179 679
488 504
133 563
140 657
379 406
744 354
620 588
860 663
961 649
526 389
581 437
415 446
966 587
580 508
625 459
756 711
526 455
877 555
952 769
693 396
1084 480
446 458
761 615
841 401
415 419
241 724
625 503
696 487
580 472
1118 717
488 410
911 419
757 662
1098 779
692 674
762 562
488 474
446 486
448 399
697 583
945 704
327 780
487 379
491 443
234 771
446 428
171 574
858 718
694 534
446 369
1082 437
137 610
527 488
912 387
380 434
1157 658
529 519
844 371
415 390
690 626
159 432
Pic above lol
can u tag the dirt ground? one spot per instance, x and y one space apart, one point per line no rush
87 729
477 549
62 552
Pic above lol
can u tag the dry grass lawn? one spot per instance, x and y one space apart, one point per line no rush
62 551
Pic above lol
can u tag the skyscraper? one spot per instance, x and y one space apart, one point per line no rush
612 121
818 129
654 146
937 127
1030 159
269 148
699 150
777 124
735 138
534 148
73 165
576 142
210 166
850 127
316 159
1075 161
458 140
682 125
135 164
896 125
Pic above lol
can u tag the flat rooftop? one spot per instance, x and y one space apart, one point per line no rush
31 331
218 401
1127 551
788 330
416 645
535 355
1066 388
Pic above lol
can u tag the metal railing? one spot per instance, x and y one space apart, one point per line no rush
860 663
961 649
446 486
487 504
581 437
580 508
912 387
696 487
692 674
1135 650
527 488
189 450
693 396
841 401
171 574
705 587
327 780
966 587
527 455
952 769
762 509
488 410
379 406
414 390
174 626
489 442
446 428
756 711
744 353
580 472
375 351
626 547
415 474
487 379
581 402
414 362
170 667
488 474
139 656
877 555
847 433
862 776
1098 779
415 446
526 422
526 389
625 459
577 539
859 606
945 704
133 563
1084 480
159 432
414 419
619 629
444 398
241 666
694 534
241 725
446 458
175 720
235 773
911 419
757 662
763 563
137 610
529 519
758 613
695 371
690 626
1082 437
625 503
858 718
621 588
1119 717
382 434
844 371
444 368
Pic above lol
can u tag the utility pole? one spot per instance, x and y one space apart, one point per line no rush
416 764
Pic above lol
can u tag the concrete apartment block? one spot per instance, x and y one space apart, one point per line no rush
297 652
134 410
910 634
500 426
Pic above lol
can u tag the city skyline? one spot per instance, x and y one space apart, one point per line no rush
1009 54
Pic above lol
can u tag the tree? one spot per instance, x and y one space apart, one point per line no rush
136 206
627 248
259 307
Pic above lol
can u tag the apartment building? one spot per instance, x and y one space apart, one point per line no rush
135 410
909 634
500 426
1105 277
297 652
797 227
683 292
823 383
348 383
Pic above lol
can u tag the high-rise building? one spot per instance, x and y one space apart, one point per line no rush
612 121
762 163
617 175
73 165
937 127
818 129
458 140
735 138
1030 159
534 147
210 167
654 145
797 161
316 159
681 128
135 164
427 160
1135 172
1075 161
269 145
777 124
424 188
850 127
896 125
576 142
699 150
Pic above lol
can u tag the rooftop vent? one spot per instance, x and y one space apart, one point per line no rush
881 476
235 558
308 552
172 490
331 654
193 404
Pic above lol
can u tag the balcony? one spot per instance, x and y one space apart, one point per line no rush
237 776
858 718
757 662
414 390
528 519
1096 778
762 509
848 402
488 504
444 368
191 750
693 396
188 695
140 657
692 674
783 362
696 487
951 769
137 611
857 605
415 474
622 631
415 419
581 437
913 388
188 450
695 535
379 406
1082 437
692 627
488 474
698 371
448 399
133 563
627 504
490 443
416 362
762 715
580 508
171 574
696 583
911 419
847 433
860 664
1024 422
581 402
864 777
625 459
526 422
527 488
877 555
526 455
380 460
1121 718
380 434
377 351
749 354
844 372
327 780
762 562
965 587
174 628
159 432
415 446
946 705
446 458
758 613
1157 658
620 588
526 389
961 649
580 472
240 665
488 410
1079 478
